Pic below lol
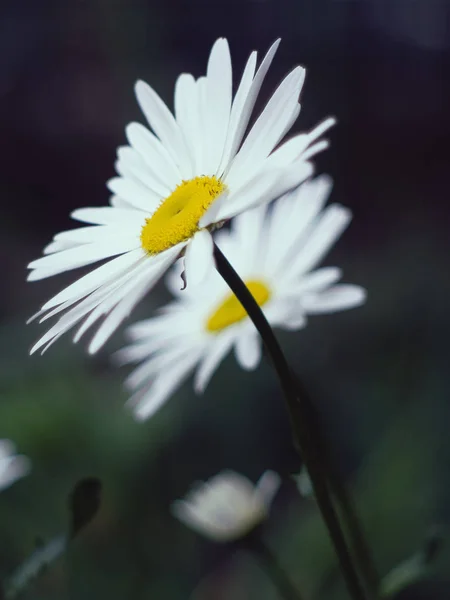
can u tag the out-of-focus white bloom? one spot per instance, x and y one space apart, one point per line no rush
33 566
275 251
228 506
12 466
174 186
303 482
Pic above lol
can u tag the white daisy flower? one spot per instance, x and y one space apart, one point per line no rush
228 506
273 251
12 466
175 185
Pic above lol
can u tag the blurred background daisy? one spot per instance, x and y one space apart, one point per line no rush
273 251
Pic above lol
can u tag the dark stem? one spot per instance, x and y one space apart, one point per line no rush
273 569
361 549
298 414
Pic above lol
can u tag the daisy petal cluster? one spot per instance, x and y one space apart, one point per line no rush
12 466
275 250
228 506
193 170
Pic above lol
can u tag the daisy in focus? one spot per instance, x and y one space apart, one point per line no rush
197 169
12 466
274 251
228 506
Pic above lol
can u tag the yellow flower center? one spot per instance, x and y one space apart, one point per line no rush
231 311
176 219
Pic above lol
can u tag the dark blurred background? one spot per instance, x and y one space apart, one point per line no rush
379 374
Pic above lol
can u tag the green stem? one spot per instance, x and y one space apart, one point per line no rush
298 414
361 550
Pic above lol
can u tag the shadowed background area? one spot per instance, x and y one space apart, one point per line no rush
378 374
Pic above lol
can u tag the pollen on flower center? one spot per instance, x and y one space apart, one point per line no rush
231 311
177 218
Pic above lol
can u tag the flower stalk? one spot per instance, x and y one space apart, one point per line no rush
299 415
361 550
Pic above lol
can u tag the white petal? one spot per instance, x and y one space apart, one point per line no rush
289 151
107 215
296 320
291 120
92 233
96 278
319 129
257 190
214 210
187 113
135 291
144 406
66 322
317 281
201 153
99 295
323 235
199 521
127 286
135 193
315 149
299 147
57 247
244 114
132 165
248 350
291 218
267 486
218 102
13 468
82 256
339 297
199 258
248 238
154 154
117 202
212 359
233 140
292 177
268 129
155 364
7 448
100 301
164 125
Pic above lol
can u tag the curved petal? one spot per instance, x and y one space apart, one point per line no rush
248 350
339 297
267 486
135 193
82 256
164 125
154 154
131 164
108 215
245 107
211 360
218 102
145 404
327 229
269 127
199 259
